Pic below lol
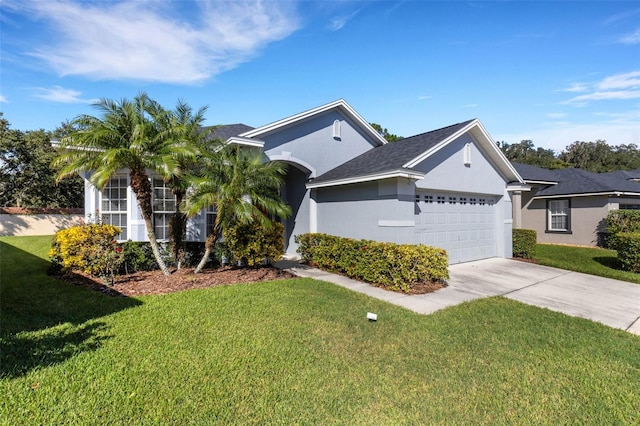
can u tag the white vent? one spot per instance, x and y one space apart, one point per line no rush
336 130
467 154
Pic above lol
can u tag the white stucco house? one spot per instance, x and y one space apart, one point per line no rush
450 188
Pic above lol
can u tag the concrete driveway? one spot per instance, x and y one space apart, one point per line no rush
610 302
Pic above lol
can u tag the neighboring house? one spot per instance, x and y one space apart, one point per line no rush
569 206
449 188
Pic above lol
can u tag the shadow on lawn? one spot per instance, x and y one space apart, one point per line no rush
609 262
46 321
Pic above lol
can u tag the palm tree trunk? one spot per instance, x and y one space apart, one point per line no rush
142 189
209 244
177 230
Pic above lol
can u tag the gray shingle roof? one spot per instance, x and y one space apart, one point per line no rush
576 181
225 131
391 156
529 172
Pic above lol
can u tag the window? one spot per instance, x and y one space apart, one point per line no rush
113 204
472 201
441 199
210 213
428 199
164 206
629 206
483 201
463 200
558 215
417 198
452 200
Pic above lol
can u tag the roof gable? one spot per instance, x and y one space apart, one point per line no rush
340 105
403 155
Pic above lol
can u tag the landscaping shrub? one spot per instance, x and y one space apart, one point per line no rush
627 244
389 265
137 257
253 244
524 243
623 221
90 248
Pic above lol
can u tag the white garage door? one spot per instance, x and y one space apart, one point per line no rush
462 224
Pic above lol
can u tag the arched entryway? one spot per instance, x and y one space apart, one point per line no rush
296 195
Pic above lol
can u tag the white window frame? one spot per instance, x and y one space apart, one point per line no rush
210 214
113 204
559 209
164 206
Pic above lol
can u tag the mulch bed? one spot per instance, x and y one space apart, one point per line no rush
155 282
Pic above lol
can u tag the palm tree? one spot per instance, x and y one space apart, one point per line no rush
184 129
242 188
126 136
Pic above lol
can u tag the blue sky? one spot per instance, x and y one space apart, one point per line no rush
553 72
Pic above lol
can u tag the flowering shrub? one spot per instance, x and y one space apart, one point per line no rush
389 265
90 248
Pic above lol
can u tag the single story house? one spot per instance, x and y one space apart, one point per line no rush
450 188
569 206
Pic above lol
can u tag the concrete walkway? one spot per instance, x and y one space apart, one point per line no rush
610 302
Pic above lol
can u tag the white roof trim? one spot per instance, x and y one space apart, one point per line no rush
482 138
409 174
589 194
540 182
245 141
339 104
518 187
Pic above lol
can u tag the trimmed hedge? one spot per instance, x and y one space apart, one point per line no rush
524 243
627 244
254 245
393 266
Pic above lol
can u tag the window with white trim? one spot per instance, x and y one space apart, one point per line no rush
211 213
558 215
113 204
164 207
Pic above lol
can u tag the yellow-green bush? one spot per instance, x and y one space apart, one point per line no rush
389 265
252 244
90 248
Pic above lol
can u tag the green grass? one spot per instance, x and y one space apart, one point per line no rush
589 260
296 352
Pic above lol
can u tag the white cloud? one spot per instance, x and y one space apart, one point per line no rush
633 38
423 97
3 99
336 23
615 87
621 81
470 106
575 87
150 41
60 94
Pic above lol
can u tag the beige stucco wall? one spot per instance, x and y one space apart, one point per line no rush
587 219
36 224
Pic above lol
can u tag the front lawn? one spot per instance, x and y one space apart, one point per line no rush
589 260
297 351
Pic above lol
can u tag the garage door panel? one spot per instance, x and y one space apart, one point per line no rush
462 224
